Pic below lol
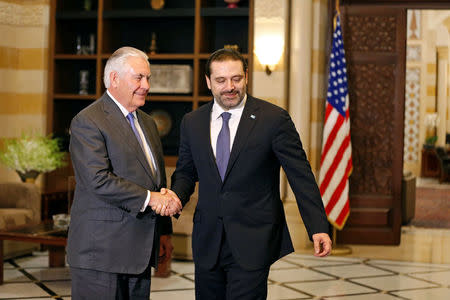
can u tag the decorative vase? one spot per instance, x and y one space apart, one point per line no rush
28 176
231 3
157 4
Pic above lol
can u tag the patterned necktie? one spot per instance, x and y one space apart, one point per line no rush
223 145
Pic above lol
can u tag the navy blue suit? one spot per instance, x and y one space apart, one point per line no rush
246 206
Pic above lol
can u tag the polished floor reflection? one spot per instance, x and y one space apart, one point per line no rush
297 276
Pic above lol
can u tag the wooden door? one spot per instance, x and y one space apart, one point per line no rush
375 43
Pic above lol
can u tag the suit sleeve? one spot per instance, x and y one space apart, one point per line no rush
185 175
93 169
288 149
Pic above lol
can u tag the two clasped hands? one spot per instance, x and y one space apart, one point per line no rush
165 202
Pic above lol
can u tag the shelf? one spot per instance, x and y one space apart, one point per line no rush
224 12
76 15
204 98
171 56
75 56
170 98
75 96
207 55
186 33
148 13
161 56
173 35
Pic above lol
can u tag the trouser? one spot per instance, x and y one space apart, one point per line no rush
227 280
97 285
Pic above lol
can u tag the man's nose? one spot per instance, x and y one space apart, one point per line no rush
145 84
230 85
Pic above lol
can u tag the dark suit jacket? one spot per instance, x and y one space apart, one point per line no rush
248 202
107 231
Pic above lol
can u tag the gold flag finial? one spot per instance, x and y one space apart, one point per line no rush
338 12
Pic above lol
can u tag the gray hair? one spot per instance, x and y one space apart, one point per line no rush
118 60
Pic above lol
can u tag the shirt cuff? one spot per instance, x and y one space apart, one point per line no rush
147 201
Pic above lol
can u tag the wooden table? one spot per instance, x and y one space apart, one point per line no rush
43 233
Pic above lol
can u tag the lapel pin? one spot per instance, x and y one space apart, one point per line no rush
253 117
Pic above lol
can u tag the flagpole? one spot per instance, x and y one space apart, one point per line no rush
338 249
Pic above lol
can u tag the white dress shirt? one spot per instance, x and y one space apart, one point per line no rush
148 153
216 122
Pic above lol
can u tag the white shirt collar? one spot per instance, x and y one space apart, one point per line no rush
217 110
124 111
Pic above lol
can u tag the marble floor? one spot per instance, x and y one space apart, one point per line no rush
418 268
296 276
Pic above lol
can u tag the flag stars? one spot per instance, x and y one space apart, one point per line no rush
337 82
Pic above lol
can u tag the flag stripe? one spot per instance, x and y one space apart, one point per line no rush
328 158
336 211
332 134
338 191
344 214
337 174
337 161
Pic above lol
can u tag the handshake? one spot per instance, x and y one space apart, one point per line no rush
165 203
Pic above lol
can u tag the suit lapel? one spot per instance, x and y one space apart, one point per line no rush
123 128
204 137
245 127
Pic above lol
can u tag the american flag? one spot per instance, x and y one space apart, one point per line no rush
336 160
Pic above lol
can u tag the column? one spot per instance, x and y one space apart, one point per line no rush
442 94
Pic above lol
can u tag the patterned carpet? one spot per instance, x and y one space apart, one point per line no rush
432 205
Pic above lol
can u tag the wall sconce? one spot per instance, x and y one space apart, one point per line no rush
268 49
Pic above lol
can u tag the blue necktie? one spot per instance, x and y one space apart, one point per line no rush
130 118
223 145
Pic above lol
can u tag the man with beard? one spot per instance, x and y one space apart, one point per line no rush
235 146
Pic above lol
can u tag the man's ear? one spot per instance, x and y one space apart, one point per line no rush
208 82
114 78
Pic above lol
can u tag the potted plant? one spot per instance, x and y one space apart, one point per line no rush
31 155
431 123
